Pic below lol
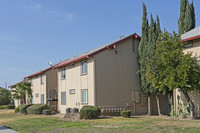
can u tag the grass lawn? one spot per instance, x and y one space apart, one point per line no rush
50 124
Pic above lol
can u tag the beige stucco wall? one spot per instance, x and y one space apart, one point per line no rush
195 96
116 76
195 49
74 80
38 88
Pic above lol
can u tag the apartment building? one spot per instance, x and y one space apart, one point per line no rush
44 87
104 76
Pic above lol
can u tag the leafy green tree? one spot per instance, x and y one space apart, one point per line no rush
4 96
170 68
22 91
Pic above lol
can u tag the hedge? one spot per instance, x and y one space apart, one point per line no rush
37 109
126 113
90 112
7 106
47 112
17 109
23 108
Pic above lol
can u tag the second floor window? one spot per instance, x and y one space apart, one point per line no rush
42 79
62 73
31 81
84 67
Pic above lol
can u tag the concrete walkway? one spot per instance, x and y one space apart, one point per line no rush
6 130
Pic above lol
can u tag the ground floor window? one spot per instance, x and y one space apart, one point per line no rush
63 98
84 96
42 98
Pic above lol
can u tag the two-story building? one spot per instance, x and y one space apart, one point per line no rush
44 87
105 76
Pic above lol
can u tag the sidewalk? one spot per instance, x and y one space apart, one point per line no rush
6 130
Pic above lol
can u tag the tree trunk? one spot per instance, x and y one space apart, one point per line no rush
24 99
149 105
192 107
158 105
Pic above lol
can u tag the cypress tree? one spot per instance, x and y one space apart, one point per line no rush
142 47
152 38
158 30
181 22
188 18
193 15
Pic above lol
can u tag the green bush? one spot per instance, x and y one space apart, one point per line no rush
4 96
90 112
17 109
23 108
47 112
37 109
7 106
126 113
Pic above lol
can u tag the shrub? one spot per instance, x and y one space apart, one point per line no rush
4 96
23 108
37 109
126 113
90 112
47 112
17 109
7 106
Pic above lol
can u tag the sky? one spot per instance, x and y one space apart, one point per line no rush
35 32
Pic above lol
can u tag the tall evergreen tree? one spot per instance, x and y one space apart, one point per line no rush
193 15
181 22
142 46
146 50
188 18
157 28
152 38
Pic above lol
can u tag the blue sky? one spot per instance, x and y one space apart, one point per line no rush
34 32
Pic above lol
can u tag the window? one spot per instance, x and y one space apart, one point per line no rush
42 79
84 67
42 98
189 44
72 91
143 98
63 98
62 72
72 65
31 81
84 96
37 95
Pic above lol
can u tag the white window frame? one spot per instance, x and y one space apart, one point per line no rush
84 67
31 81
37 95
84 96
42 78
63 99
71 91
42 98
62 73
